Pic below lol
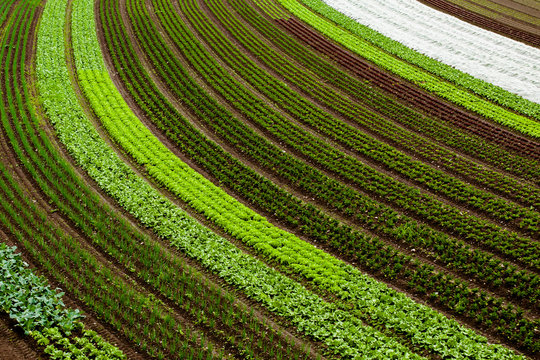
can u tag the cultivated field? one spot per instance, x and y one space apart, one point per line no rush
269 179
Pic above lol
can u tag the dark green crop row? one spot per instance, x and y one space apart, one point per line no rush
350 137
368 95
5 7
370 253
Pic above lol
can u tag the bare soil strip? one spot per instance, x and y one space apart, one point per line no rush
14 345
503 25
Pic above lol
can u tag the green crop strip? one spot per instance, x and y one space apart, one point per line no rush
369 180
116 301
360 40
369 252
272 156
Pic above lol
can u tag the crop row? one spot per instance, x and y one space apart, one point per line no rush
217 205
368 252
410 94
5 7
488 19
40 311
175 279
472 145
347 136
360 44
164 166
378 218
385 106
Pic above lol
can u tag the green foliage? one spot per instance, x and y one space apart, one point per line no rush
27 297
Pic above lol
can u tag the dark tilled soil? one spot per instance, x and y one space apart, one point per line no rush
14 345
504 25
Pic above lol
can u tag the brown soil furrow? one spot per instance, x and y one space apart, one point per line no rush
14 345
518 6
513 28
408 93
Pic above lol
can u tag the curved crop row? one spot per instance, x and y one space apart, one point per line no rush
369 252
370 181
191 188
496 21
161 334
5 8
359 43
78 272
466 81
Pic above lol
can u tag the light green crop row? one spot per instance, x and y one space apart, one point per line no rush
280 294
421 324
368 44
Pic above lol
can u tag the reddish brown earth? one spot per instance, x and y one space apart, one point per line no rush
14 345
517 30
411 95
